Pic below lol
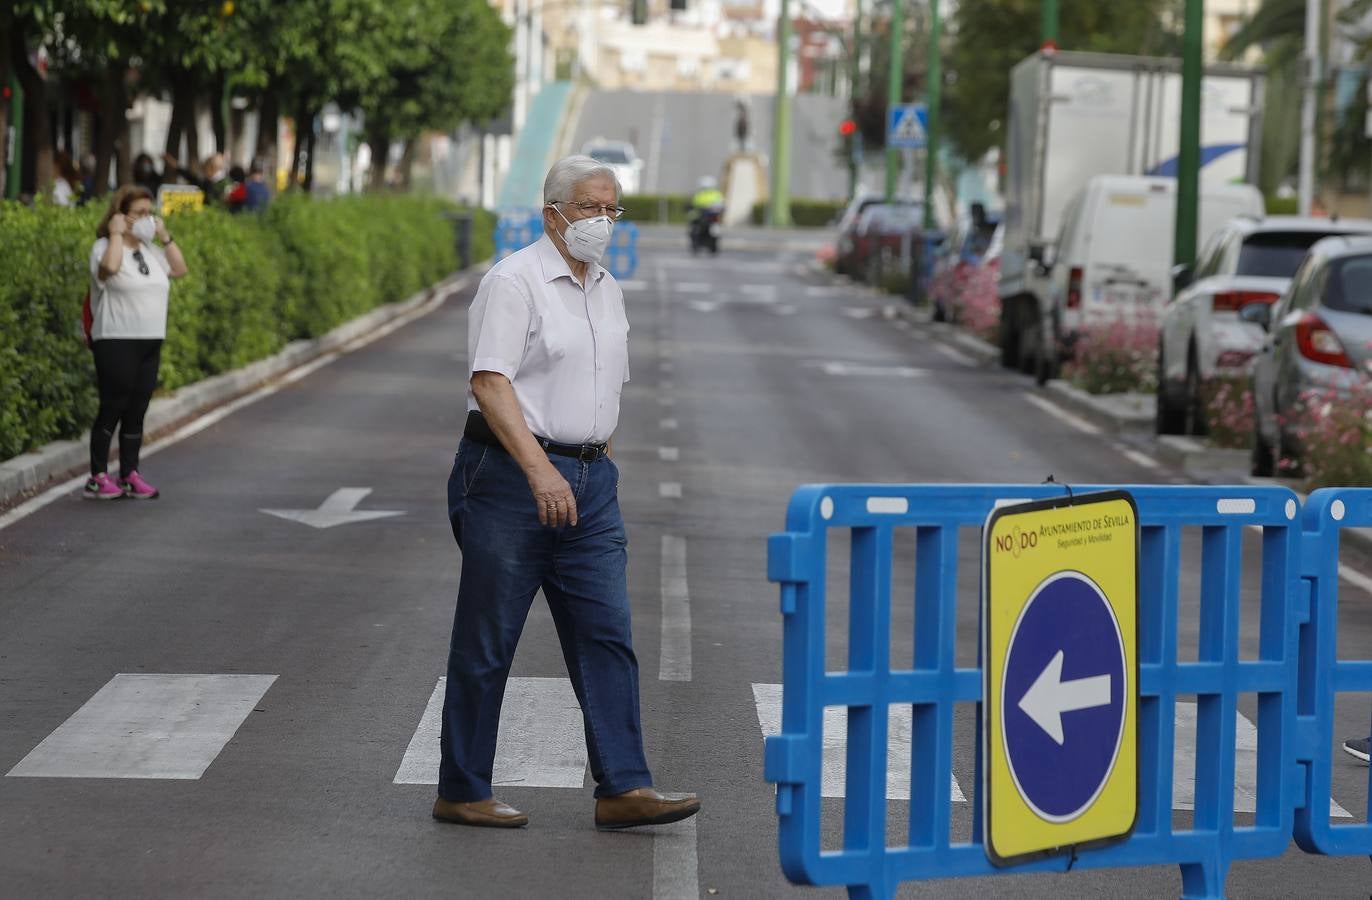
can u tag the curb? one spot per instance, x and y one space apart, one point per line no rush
29 472
1203 462
1119 413
986 355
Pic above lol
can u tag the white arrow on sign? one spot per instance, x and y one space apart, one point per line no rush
337 510
1049 697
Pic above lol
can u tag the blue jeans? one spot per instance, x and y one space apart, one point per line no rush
507 555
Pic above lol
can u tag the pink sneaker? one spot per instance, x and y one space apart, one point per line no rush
135 487
102 487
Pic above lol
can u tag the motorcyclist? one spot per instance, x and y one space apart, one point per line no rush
707 195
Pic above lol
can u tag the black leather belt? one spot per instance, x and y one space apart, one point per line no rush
480 431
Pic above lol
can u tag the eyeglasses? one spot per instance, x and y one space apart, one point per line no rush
142 263
590 209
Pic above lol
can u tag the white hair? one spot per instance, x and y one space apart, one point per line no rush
569 172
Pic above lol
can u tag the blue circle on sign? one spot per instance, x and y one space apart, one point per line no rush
1062 697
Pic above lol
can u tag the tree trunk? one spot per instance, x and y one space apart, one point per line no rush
179 114
37 127
309 157
379 140
113 122
407 162
218 116
268 114
303 122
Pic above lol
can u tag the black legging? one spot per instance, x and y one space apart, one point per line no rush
126 373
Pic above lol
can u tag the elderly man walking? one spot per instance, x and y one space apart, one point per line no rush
533 504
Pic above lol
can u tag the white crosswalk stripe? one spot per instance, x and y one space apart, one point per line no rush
148 726
541 741
768 700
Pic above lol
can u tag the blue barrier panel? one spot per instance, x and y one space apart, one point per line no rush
1322 675
517 230
797 559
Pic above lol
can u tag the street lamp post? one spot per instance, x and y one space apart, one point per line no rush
779 209
855 91
895 82
1188 158
933 102
1048 13
1306 181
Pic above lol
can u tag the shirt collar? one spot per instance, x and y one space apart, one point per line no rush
555 266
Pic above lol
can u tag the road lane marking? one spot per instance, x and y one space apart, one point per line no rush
667 424
633 285
674 661
675 868
844 369
705 306
666 385
666 401
148 726
858 312
956 356
1355 578
541 743
1245 764
693 287
785 309
339 508
669 490
665 367
821 291
1138 458
767 698
1061 414
668 454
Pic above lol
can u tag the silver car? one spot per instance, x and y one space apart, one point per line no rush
1319 339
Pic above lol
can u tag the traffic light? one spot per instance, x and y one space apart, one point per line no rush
638 12
847 128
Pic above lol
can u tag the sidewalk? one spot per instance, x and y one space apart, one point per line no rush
30 472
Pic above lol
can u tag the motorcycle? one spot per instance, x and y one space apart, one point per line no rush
705 229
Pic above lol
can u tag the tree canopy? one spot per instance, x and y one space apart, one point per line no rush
988 37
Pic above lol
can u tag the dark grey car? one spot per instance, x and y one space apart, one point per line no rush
1319 340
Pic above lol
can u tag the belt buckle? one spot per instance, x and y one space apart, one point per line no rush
589 453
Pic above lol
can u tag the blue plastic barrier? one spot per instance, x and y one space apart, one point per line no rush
515 231
1296 650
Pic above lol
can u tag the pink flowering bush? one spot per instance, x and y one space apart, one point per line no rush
1335 435
1229 412
976 305
1118 358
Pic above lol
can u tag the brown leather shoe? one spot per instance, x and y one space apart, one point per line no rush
481 813
644 806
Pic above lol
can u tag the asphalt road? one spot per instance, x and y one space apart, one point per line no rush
751 375
683 136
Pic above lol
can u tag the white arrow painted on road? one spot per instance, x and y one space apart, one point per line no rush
339 509
1049 697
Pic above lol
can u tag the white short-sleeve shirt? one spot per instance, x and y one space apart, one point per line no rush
130 304
564 347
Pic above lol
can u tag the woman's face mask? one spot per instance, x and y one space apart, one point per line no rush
144 229
587 239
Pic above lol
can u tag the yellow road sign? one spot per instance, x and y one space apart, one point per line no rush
1060 664
172 198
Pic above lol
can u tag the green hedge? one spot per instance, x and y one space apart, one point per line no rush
647 209
255 283
806 213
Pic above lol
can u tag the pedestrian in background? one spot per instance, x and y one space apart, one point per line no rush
533 503
66 187
130 288
145 174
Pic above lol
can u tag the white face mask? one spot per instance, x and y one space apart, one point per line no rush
587 239
144 229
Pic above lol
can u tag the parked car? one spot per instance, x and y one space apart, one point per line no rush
1202 334
620 156
960 255
1113 258
876 228
1319 339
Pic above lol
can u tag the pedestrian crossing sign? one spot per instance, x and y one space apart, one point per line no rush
906 126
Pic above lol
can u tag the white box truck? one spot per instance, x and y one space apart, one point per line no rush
1073 116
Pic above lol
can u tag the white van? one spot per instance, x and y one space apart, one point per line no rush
1113 257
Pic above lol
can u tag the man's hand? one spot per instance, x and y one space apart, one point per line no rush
552 493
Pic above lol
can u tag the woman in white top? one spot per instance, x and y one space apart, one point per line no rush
130 284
